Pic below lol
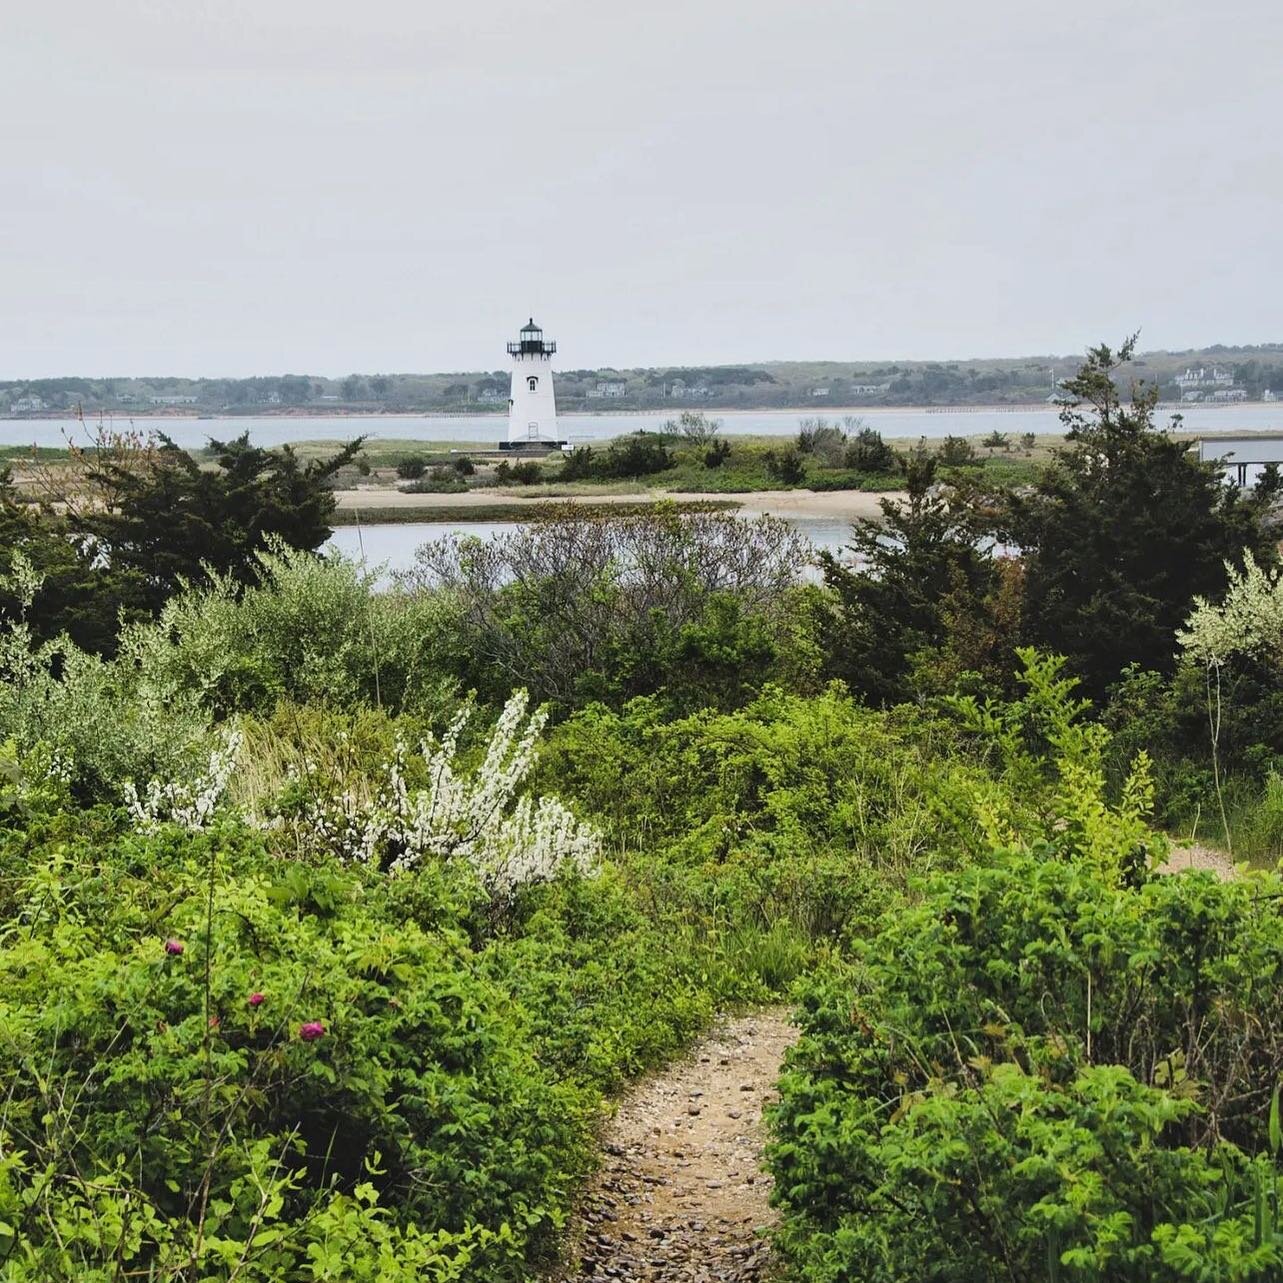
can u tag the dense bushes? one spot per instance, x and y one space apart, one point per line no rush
177 1027
310 629
701 605
640 455
1038 1071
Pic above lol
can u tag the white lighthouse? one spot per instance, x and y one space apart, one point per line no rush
532 408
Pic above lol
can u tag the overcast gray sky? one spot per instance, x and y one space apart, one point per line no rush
256 186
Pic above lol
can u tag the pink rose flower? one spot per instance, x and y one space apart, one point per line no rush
311 1030
173 947
255 1000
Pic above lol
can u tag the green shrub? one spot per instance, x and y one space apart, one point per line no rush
823 439
528 473
412 467
580 607
1258 824
785 468
439 480
639 455
578 465
98 723
799 810
1035 1071
717 454
378 1063
957 452
312 628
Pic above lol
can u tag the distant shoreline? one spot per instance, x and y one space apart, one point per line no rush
804 411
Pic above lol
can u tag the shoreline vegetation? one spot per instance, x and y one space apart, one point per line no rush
835 470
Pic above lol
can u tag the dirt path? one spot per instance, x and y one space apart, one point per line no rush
681 1195
1199 857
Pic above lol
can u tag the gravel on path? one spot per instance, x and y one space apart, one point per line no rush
681 1194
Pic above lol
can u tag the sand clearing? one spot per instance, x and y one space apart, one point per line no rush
838 505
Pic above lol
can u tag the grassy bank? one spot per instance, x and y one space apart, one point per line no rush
520 510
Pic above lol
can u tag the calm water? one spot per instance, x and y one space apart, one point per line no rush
489 429
390 548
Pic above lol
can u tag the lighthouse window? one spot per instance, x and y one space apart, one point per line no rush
532 383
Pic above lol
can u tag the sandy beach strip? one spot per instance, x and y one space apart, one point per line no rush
834 505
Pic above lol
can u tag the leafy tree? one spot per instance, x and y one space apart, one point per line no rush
1123 530
295 389
72 594
171 520
694 426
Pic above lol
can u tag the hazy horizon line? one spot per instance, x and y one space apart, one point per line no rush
1266 346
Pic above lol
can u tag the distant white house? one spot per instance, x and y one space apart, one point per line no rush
1242 459
869 389
819 391
1230 394
1216 377
173 400
1269 395
680 388
608 389
27 404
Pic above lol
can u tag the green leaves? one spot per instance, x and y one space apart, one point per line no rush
1033 1070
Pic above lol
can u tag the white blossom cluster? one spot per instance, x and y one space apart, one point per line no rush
473 815
1248 621
191 805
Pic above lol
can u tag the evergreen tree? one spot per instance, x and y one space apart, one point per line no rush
171 520
76 595
926 553
1123 529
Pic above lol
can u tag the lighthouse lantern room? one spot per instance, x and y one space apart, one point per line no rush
532 408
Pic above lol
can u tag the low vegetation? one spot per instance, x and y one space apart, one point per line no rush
331 917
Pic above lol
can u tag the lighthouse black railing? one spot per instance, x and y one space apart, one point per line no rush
532 347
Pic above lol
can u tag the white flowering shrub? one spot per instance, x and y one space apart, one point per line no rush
473 815
189 804
1248 620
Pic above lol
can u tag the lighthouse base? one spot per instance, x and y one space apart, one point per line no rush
532 447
